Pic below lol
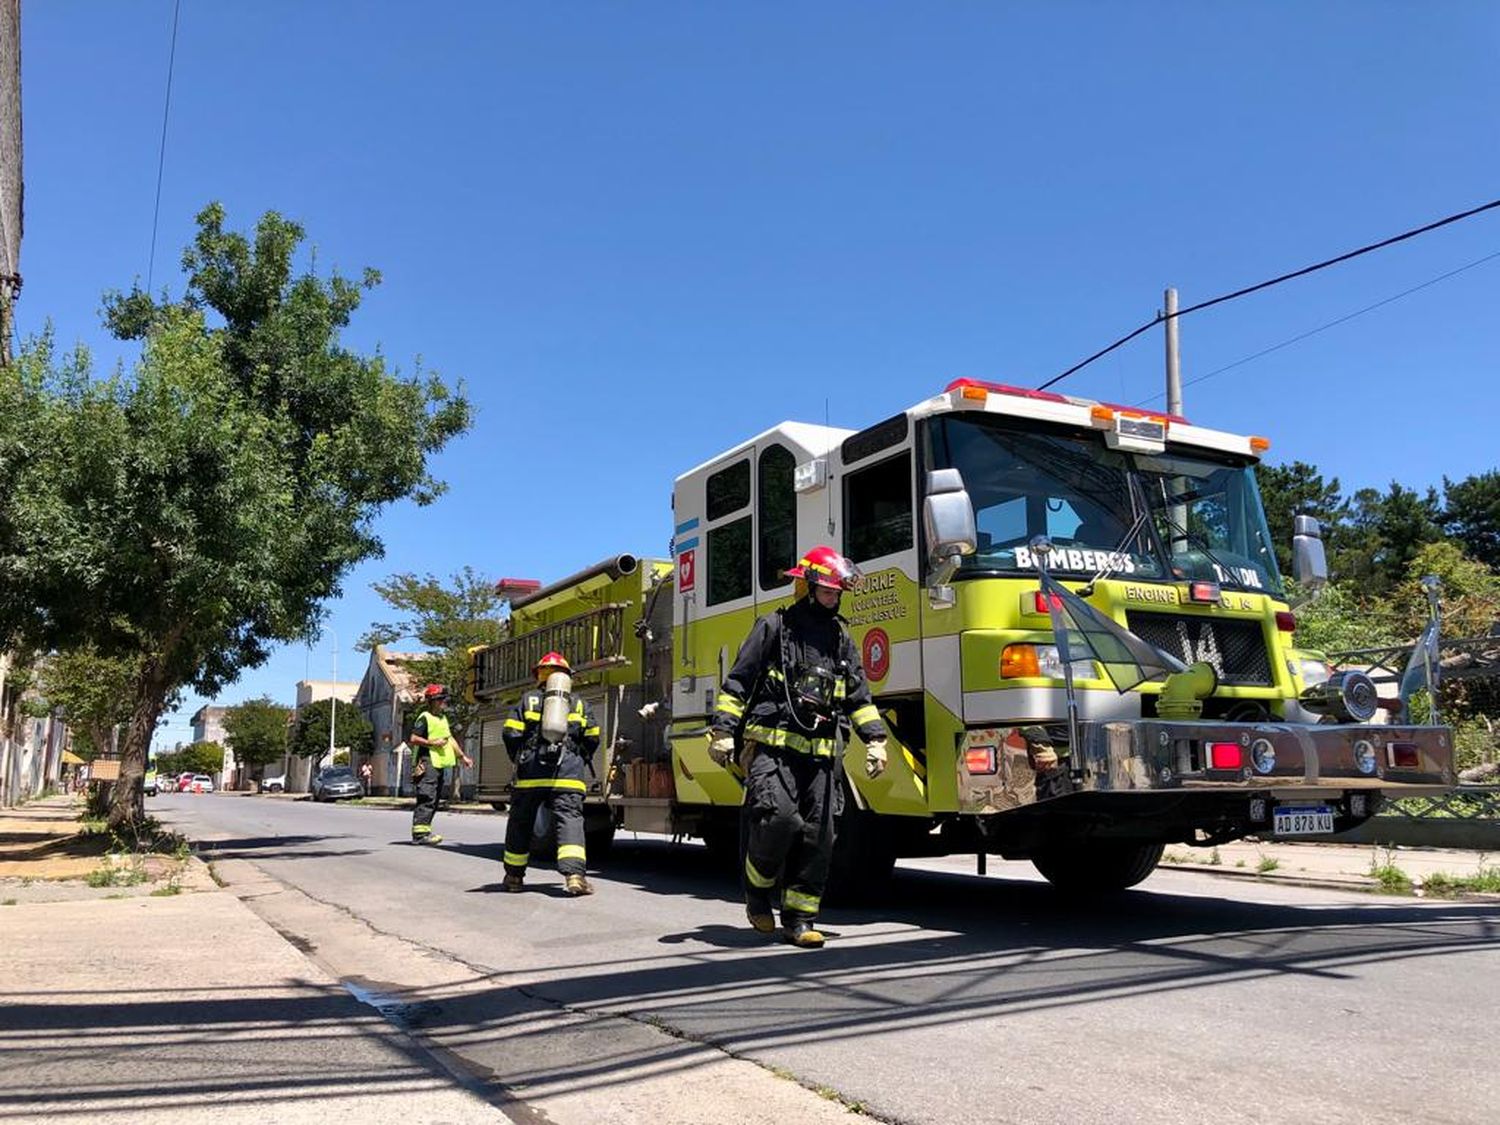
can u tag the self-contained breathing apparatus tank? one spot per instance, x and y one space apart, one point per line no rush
557 697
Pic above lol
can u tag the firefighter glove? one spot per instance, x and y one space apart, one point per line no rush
875 758
721 749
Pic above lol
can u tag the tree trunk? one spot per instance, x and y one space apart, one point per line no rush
127 805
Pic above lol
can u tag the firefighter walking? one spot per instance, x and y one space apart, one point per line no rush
551 736
796 675
436 752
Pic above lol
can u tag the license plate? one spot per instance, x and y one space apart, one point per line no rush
1303 820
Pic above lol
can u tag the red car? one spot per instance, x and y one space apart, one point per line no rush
184 782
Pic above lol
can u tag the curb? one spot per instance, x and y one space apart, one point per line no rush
1357 883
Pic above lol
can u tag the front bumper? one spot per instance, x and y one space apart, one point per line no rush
1006 768
1155 754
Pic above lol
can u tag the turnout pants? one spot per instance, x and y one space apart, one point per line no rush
788 822
430 788
566 806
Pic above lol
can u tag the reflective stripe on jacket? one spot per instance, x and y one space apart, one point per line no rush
755 690
550 765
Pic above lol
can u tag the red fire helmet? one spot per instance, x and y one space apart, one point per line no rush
554 660
823 566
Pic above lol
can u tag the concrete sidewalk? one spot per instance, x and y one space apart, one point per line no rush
158 997
186 1008
251 1003
1365 867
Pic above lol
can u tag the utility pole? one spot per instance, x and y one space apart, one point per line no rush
10 171
1178 512
1174 358
333 695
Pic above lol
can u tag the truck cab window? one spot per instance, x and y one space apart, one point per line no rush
878 509
729 561
778 515
728 490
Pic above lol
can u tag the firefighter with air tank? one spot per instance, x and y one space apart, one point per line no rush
436 754
797 676
551 735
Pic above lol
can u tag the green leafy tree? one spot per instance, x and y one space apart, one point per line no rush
257 731
93 691
1469 593
309 736
196 757
1385 532
1297 489
1471 514
448 619
200 509
1340 619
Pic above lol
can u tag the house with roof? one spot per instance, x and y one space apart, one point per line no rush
389 689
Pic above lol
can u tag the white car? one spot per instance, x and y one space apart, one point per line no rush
201 783
275 784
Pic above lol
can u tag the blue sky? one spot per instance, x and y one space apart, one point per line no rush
641 233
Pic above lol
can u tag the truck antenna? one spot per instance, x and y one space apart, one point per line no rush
829 486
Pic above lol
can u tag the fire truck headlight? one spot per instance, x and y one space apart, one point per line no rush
1315 672
1049 663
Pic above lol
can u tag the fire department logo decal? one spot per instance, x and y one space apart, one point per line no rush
876 654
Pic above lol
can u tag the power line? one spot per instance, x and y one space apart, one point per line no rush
1303 272
1325 327
161 159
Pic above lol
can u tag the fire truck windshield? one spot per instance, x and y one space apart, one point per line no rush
1209 516
1204 518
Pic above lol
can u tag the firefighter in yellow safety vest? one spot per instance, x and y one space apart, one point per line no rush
436 754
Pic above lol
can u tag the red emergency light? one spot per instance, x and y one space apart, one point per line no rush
963 386
511 587
1225 755
1041 600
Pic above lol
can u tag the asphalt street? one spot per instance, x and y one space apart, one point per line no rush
966 999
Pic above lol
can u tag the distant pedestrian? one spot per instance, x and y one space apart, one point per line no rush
364 778
436 752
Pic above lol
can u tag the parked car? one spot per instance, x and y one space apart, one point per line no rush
336 783
184 782
275 784
202 783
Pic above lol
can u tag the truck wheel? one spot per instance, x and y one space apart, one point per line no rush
599 839
863 859
721 836
1099 866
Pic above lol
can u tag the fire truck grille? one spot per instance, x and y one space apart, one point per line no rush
1236 649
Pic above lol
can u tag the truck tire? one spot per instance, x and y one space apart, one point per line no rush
1098 866
598 838
721 836
863 859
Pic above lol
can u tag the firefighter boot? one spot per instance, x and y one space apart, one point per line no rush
426 838
513 884
577 885
799 930
759 911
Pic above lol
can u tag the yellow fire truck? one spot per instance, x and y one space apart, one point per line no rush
951 509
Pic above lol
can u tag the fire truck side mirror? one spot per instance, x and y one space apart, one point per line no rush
948 522
1309 559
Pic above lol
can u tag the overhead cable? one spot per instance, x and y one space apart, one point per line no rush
1325 327
161 159
1247 290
